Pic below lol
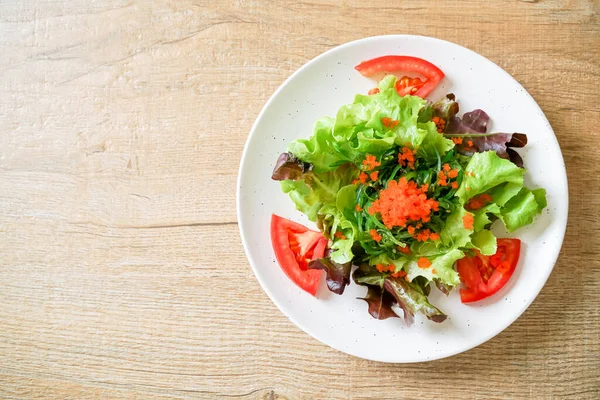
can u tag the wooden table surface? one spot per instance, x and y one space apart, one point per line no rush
121 128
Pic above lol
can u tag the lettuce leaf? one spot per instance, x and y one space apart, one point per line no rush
399 262
366 275
443 264
411 299
446 108
522 208
488 170
342 247
409 296
318 150
471 122
312 190
338 275
380 303
307 201
288 166
503 193
433 145
481 218
473 127
454 234
345 201
485 242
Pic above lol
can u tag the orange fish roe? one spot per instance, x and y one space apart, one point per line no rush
404 250
419 225
442 179
374 175
468 221
452 173
454 185
403 201
373 91
440 124
423 263
470 143
467 189
433 271
457 140
479 201
446 173
399 274
358 208
362 178
370 162
389 123
425 235
374 235
339 235
411 230
407 158
385 268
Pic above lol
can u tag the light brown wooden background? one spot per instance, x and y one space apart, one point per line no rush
121 270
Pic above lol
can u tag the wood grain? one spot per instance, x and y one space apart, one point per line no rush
122 271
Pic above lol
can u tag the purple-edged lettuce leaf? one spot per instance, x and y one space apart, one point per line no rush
288 166
380 303
472 127
366 275
515 157
338 275
446 289
408 295
445 108
411 299
472 122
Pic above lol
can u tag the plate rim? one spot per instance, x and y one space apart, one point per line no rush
241 224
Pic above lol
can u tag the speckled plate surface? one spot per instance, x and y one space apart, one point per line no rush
319 88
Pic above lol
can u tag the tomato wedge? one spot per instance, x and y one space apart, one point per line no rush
295 246
485 275
430 72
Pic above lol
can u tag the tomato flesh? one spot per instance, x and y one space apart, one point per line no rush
393 63
406 85
295 246
485 275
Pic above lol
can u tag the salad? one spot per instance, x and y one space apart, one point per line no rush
403 191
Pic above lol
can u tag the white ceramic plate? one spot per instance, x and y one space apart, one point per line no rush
319 88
